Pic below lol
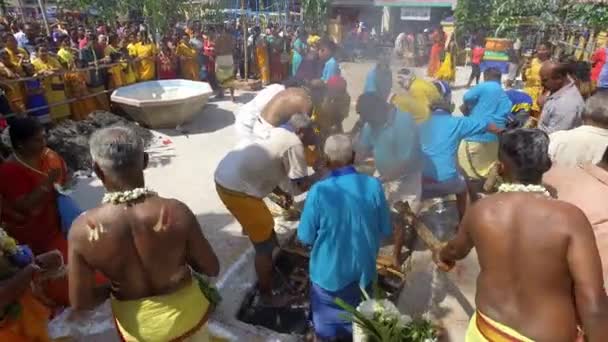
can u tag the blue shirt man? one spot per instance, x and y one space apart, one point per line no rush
345 239
379 81
395 145
488 102
331 68
440 137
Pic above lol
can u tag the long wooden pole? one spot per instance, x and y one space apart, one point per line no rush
46 22
244 20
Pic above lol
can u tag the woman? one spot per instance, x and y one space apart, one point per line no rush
112 53
53 84
210 55
145 58
275 48
15 91
30 202
65 55
187 55
447 70
438 38
126 63
531 77
261 54
167 63
76 88
299 50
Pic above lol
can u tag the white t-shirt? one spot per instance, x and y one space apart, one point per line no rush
248 114
581 145
257 168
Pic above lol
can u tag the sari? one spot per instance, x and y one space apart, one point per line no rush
189 68
25 319
146 67
533 85
436 51
274 59
167 66
40 228
54 87
65 56
117 76
261 54
76 88
297 58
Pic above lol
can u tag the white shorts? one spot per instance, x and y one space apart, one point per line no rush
407 189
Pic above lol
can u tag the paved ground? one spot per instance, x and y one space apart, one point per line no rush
182 166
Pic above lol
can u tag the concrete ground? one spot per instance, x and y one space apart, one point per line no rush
182 166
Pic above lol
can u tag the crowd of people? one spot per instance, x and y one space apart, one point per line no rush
539 240
72 72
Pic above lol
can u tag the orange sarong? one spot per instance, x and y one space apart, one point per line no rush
31 323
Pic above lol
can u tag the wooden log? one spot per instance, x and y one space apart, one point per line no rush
421 229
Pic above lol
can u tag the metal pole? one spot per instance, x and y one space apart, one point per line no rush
46 22
244 20
20 3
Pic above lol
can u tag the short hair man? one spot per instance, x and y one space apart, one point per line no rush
587 143
254 170
327 51
540 266
486 101
564 106
280 109
391 138
154 296
345 239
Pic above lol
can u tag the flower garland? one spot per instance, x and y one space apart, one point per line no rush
121 197
8 245
517 187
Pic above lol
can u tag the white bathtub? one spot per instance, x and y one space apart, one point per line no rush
164 103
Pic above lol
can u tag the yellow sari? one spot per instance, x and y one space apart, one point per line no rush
146 67
54 87
447 70
533 85
188 65
117 77
66 57
261 54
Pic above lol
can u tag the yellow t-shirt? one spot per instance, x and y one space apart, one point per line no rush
146 68
417 101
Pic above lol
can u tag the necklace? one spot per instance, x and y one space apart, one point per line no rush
121 197
517 187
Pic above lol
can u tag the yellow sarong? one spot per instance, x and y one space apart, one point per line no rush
484 329
180 315
476 159
261 53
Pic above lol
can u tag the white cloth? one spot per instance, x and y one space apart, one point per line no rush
581 145
407 189
257 168
248 114
261 128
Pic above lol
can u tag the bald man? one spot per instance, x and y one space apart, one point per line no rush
564 106
281 108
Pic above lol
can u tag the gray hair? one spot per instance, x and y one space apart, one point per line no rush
596 108
300 121
116 149
339 149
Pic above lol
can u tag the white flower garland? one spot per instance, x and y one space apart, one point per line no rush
516 187
121 197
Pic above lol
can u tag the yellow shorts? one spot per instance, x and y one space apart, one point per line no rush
484 329
477 159
251 212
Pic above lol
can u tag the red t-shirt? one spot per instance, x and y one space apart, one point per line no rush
477 55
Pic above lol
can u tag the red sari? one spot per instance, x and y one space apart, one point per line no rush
438 38
40 228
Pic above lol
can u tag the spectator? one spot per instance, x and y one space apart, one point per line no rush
563 107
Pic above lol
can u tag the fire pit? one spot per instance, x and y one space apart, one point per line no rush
163 104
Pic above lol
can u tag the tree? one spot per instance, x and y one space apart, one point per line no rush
315 14
473 16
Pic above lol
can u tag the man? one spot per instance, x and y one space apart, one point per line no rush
476 59
540 267
440 137
285 104
564 106
153 295
252 171
486 101
249 113
586 186
390 136
419 95
345 240
327 51
379 79
334 108
587 143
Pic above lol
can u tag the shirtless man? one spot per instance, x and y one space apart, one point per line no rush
147 246
540 267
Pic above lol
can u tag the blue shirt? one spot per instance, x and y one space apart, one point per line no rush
331 68
345 218
489 102
395 144
440 137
